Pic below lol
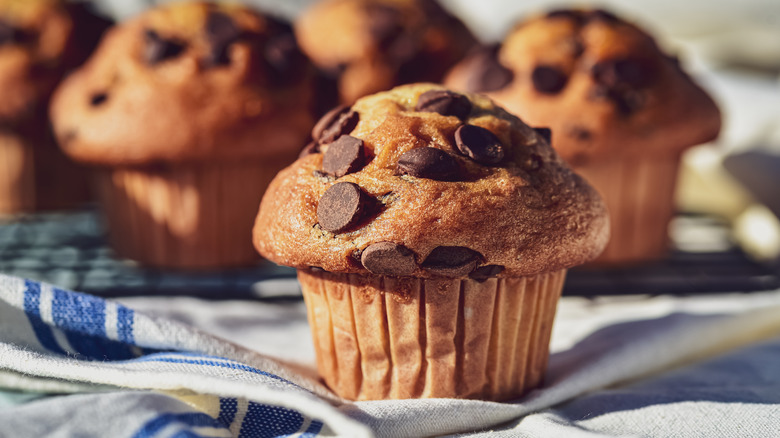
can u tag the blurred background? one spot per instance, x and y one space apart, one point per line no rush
727 235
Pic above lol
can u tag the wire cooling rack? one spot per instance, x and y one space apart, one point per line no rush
69 250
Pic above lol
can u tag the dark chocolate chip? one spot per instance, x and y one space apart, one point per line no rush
487 73
341 207
335 123
12 35
159 49
388 258
631 73
580 133
626 100
221 31
452 261
98 99
345 155
311 148
485 272
444 102
430 163
548 79
479 144
545 133
283 56
533 162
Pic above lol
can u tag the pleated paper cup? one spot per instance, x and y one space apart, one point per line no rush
397 338
639 194
185 216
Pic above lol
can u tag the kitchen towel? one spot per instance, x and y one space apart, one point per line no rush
76 365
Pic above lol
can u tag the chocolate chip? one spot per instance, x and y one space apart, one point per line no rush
545 133
345 155
430 163
485 272
444 102
159 49
283 56
311 148
98 99
631 73
548 80
452 261
341 207
533 162
388 258
486 72
12 35
579 133
335 123
221 32
479 144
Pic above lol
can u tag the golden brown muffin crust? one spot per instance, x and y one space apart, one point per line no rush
373 45
523 214
600 83
188 81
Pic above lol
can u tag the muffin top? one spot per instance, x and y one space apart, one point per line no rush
420 181
600 83
373 45
39 42
186 82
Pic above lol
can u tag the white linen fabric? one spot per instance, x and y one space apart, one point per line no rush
636 366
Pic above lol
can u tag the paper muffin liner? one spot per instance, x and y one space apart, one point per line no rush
188 216
35 175
395 338
639 194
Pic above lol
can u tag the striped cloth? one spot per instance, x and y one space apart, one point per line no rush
76 365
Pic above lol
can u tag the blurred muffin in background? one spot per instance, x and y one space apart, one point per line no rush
620 110
40 41
187 111
365 46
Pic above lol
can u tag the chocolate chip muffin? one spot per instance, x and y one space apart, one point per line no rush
621 113
432 232
40 41
366 46
182 110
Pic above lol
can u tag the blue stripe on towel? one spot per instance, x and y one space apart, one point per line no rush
263 421
210 361
32 304
228 407
124 324
195 419
83 317
313 430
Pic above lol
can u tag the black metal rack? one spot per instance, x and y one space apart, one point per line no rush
69 250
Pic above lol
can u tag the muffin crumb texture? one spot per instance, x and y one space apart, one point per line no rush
423 182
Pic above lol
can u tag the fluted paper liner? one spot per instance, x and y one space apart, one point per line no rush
185 216
395 338
639 194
